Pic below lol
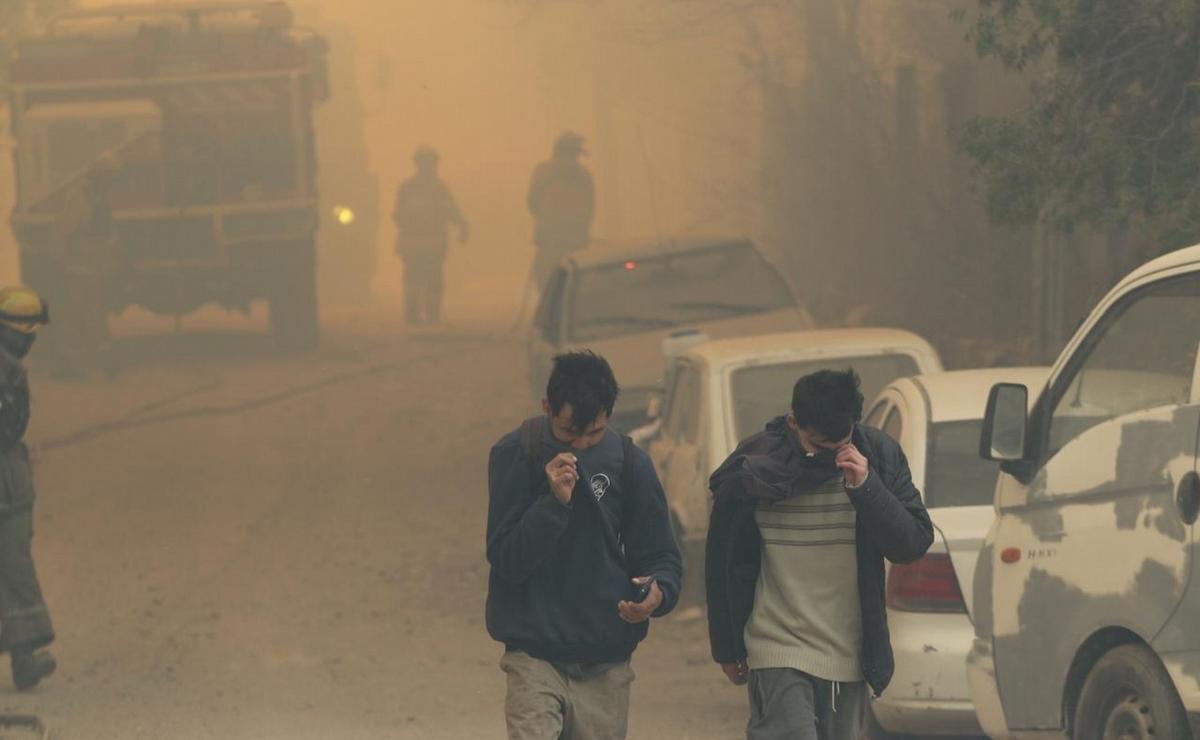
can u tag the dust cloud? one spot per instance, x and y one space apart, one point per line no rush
236 541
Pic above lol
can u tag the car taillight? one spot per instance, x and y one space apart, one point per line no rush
928 585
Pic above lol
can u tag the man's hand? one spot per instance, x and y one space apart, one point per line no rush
853 465
563 475
639 612
737 673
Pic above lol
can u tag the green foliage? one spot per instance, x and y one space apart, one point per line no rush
1112 137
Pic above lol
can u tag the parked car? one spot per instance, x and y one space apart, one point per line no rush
622 303
1087 605
727 389
937 419
672 347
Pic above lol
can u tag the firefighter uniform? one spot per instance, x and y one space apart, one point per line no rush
423 213
25 625
562 201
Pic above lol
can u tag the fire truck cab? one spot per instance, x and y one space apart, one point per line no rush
205 112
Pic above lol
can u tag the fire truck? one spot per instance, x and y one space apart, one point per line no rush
203 112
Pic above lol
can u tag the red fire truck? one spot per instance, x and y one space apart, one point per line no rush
203 112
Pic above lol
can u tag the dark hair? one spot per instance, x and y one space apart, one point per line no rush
584 380
829 402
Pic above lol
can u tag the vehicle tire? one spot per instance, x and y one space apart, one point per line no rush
1128 694
872 730
293 300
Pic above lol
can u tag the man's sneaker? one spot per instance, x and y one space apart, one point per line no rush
28 669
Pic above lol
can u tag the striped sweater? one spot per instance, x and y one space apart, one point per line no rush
807 614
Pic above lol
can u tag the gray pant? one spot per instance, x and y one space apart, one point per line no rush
565 702
24 620
786 704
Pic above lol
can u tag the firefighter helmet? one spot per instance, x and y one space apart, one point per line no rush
425 155
569 144
22 309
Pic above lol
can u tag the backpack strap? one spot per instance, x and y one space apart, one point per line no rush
532 430
531 434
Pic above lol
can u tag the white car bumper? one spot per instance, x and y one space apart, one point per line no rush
928 693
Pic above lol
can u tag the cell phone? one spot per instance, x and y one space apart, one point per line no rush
644 589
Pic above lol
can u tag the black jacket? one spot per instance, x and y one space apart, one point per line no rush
558 571
892 523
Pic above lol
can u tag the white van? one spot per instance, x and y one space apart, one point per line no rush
1087 606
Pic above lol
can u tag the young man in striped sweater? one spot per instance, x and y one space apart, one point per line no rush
804 514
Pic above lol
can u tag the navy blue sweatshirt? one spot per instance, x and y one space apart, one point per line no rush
559 570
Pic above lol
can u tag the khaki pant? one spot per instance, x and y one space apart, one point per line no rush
565 702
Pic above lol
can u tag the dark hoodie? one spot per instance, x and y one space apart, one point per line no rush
770 466
558 571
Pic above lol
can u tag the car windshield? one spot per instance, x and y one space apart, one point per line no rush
956 475
660 292
762 392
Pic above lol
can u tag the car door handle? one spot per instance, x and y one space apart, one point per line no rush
1187 498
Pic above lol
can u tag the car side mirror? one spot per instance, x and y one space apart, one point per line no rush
1005 424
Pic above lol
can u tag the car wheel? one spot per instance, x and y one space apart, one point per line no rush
293 301
872 730
1129 696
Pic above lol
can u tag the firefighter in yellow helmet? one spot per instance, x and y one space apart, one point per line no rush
24 621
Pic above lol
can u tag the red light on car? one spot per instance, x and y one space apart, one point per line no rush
928 585
630 265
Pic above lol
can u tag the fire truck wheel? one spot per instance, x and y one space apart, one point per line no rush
293 303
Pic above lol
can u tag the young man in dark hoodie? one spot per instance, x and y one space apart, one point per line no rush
582 556
804 514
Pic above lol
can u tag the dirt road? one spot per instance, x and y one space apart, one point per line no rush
237 544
